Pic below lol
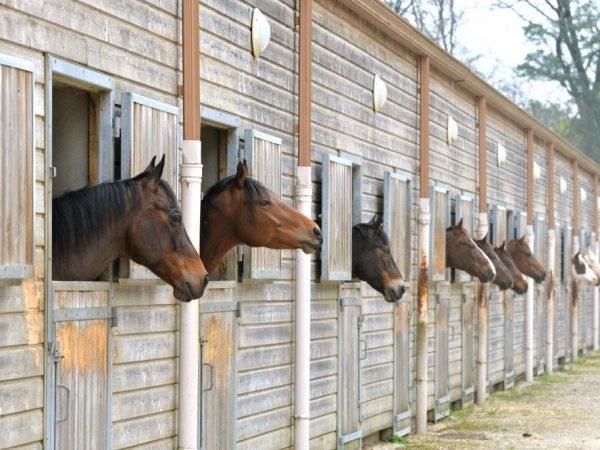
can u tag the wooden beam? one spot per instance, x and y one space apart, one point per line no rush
191 70
482 155
550 206
424 126
530 210
305 78
576 198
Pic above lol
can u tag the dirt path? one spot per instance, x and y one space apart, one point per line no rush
561 411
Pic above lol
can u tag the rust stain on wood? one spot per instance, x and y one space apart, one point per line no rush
84 346
32 297
423 283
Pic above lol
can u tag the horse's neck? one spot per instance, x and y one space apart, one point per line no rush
216 241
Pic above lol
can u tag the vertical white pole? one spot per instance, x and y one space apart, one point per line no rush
595 307
529 314
189 313
302 355
551 300
575 306
482 324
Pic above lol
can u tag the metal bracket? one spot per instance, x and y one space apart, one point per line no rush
218 307
350 301
76 314
350 437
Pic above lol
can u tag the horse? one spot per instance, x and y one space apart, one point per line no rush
519 282
592 261
373 262
240 210
504 278
524 260
583 271
463 253
136 218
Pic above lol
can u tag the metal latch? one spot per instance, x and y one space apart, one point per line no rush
116 126
52 172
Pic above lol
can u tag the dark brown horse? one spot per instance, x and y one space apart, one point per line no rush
463 253
136 218
519 282
372 260
525 261
504 278
240 210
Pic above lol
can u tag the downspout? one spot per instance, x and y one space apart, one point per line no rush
531 241
423 271
551 265
595 246
303 204
574 282
191 195
482 291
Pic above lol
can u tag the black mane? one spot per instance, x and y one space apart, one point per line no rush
254 190
81 217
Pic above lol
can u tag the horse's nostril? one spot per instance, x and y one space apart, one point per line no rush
205 281
316 231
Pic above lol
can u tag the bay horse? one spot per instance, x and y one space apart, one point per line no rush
463 253
373 262
524 259
519 281
137 218
504 278
240 210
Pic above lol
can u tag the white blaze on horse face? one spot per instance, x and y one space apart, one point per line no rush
592 260
489 261
588 276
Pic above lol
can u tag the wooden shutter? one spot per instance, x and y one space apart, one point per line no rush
557 275
465 210
440 212
149 128
567 254
397 217
16 168
263 155
340 211
541 243
498 225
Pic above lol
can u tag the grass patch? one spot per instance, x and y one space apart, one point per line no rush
399 440
552 379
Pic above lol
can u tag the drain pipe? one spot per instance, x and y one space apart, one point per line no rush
303 204
482 294
531 241
551 265
596 247
423 271
191 195
574 281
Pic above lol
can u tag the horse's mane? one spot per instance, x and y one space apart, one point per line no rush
81 217
253 189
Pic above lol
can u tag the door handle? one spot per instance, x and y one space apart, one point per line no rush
210 376
68 391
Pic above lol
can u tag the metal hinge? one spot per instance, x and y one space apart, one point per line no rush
52 172
54 350
113 317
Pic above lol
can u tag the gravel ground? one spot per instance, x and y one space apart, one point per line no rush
561 411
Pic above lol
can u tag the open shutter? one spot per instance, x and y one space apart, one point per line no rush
340 211
16 168
396 218
465 210
440 212
263 155
498 225
149 128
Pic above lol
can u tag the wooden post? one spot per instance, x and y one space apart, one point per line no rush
482 294
549 363
423 271
595 308
530 240
574 282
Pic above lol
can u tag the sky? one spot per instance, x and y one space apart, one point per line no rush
497 35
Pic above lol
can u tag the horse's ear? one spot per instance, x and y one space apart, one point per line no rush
502 246
152 177
144 172
241 174
459 225
376 221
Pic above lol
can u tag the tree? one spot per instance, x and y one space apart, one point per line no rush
566 34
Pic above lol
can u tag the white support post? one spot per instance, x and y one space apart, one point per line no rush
529 314
189 313
574 306
482 324
422 316
595 307
302 329
551 300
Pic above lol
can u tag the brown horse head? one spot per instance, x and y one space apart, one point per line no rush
373 262
519 282
240 210
525 261
138 218
504 279
464 254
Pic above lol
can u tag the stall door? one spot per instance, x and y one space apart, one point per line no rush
351 350
468 345
509 346
218 313
402 386
82 319
442 379
541 251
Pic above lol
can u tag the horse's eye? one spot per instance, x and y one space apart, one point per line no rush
264 203
176 218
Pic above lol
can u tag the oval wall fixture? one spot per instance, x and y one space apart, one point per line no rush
379 93
501 154
582 194
563 185
537 171
452 130
261 33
